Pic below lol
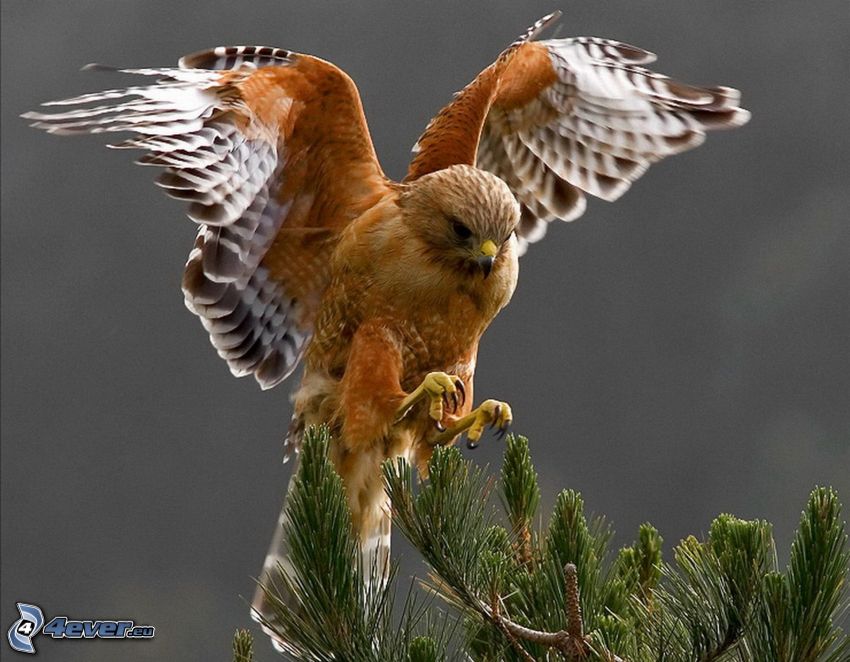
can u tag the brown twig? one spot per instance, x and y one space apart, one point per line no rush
557 640
500 623
571 642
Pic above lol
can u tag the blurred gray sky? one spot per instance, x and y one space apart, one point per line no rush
681 353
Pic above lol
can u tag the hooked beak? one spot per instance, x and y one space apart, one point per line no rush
487 257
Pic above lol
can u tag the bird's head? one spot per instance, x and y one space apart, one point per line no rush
464 216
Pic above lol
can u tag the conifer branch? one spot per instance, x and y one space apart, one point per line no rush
570 642
525 594
243 646
520 494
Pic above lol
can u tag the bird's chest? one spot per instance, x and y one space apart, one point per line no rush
442 337
437 319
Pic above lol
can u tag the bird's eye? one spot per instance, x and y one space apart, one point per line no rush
460 229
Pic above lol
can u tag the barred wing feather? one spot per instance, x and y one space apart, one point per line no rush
227 130
562 118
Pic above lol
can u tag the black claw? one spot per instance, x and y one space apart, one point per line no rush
446 400
501 432
454 401
439 426
470 444
461 390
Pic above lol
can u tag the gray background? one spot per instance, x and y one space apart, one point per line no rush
678 354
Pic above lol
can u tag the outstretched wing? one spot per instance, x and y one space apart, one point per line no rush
272 151
560 118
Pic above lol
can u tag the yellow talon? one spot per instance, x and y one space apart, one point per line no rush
441 389
489 413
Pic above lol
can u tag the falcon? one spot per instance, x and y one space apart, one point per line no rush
308 253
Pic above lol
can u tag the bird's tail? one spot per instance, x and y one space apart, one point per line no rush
375 543
374 528
276 562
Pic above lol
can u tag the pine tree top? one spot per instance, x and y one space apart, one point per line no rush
511 589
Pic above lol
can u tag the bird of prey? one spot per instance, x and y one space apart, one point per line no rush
307 252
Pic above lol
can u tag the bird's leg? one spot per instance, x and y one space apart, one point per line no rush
441 390
488 413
